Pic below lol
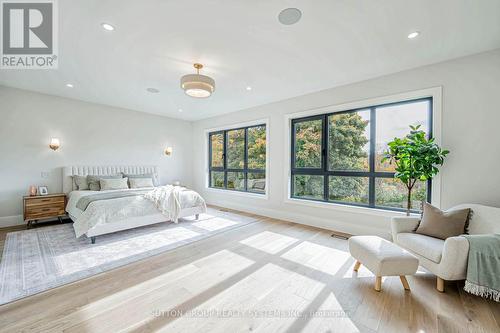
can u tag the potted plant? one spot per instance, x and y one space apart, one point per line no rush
416 158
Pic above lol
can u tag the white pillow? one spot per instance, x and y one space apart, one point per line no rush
140 182
113 184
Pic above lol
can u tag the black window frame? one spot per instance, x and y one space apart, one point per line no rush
371 174
245 170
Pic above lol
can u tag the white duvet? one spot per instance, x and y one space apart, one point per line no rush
167 200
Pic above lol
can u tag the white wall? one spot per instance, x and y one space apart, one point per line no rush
90 134
470 129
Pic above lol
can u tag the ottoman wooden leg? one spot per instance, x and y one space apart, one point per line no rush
440 285
404 282
378 283
357 265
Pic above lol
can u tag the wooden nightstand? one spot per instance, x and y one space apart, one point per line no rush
44 207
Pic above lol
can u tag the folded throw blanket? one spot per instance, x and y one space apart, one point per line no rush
483 268
167 200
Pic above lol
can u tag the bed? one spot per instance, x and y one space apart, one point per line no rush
107 212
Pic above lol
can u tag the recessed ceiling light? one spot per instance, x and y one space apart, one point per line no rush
153 90
414 34
289 16
69 85
107 26
249 88
180 110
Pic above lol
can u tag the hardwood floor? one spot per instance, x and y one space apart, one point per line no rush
260 274
5 231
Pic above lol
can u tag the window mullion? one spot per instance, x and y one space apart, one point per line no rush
431 134
292 160
210 159
210 151
292 157
371 180
324 156
245 162
225 159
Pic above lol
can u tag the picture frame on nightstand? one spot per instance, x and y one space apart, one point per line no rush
43 190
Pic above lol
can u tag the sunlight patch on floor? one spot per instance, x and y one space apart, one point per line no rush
269 242
319 257
330 317
215 223
254 303
201 217
362 272
101 254
161 293
422 271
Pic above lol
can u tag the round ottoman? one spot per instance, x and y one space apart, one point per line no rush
382 258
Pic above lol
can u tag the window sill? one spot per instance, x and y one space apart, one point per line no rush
347 208
238 193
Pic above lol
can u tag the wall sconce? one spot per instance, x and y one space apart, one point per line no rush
54 144
168 151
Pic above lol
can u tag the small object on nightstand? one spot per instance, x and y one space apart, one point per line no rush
43 190
44 207
32 190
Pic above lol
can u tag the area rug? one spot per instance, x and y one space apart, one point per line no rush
39 259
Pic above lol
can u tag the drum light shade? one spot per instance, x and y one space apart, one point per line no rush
197 85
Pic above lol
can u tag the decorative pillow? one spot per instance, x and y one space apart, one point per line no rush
140 182
114 184
81 183
443 224
94 184
259 185
144 175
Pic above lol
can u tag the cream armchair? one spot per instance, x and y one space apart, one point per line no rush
447 259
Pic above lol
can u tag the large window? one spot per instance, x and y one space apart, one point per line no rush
237 159
336 157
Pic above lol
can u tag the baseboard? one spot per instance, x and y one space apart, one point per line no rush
10 221
328 224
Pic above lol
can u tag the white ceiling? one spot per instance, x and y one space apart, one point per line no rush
242 44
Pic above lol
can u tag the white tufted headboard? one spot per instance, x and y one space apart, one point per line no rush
70 171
